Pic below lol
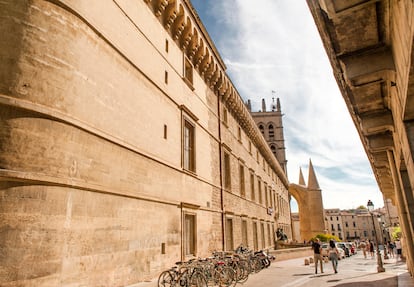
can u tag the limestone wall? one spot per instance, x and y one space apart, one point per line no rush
92 188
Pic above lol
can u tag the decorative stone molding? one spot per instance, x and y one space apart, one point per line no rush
181 20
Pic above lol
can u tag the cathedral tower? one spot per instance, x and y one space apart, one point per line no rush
271 127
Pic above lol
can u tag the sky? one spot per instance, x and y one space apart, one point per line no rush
274 45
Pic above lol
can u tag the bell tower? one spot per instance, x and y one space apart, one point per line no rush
271 126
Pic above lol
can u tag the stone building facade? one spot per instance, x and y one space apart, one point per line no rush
370 47
124 146
357 224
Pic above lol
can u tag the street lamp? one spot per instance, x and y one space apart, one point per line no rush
381 226
380 268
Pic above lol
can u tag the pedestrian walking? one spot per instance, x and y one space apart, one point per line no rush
371 248
333 255
399 248
390 247
363 246
317 251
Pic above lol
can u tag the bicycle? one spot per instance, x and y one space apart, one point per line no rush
184 274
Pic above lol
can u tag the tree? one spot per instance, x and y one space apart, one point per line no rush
396 233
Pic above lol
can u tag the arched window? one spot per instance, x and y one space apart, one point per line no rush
261 128
273 148
271 133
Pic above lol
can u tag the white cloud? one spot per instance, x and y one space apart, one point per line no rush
274 45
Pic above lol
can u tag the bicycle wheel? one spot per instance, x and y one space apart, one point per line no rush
243 272
197 279
165 279
223 276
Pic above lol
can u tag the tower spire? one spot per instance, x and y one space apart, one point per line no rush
301 179
312 181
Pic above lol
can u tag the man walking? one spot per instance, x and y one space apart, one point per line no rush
317 255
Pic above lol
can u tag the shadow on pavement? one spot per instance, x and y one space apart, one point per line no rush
391 281
302 274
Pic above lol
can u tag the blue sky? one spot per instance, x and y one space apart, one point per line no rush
273 45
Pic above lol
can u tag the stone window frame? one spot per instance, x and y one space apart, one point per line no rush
189 121
245 232
252 185
188 72
259 189
229 231
226 168
242 178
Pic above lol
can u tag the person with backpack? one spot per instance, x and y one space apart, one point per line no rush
390 247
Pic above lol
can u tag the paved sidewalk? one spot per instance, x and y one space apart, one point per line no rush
355 271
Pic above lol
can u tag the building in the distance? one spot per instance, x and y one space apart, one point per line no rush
358 224
124 146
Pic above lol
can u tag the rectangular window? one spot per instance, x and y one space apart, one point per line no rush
262 231
189 235
339 227
166 45
225 120
253 196
244 233
166 77
239 134
265 190
188 72
165 131
255 238
229 234
353 223
250 147
270 197
269 239
227 171
259 187
242 188
189 146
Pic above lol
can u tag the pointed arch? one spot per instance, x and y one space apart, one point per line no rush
262 128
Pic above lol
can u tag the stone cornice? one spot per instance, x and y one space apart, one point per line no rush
181 21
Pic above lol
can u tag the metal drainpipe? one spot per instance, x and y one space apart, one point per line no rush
221 173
